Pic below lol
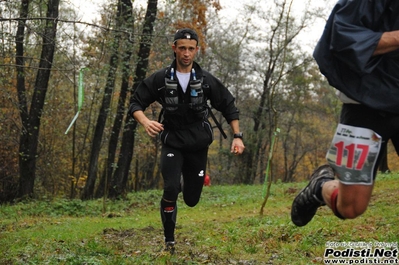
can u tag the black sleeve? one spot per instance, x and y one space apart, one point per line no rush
221 99
355 33
147 92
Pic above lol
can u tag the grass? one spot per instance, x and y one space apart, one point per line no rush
224 228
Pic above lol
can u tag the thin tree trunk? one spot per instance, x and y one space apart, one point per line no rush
88 191
120 176
126 21
31 120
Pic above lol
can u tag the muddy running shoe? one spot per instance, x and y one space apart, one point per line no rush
306 202
170 247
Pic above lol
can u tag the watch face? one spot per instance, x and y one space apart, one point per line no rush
238 135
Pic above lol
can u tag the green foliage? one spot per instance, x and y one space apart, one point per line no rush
224 228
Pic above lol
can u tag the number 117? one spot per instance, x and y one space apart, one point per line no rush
350 159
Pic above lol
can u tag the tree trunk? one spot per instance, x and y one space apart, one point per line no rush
120 176
126 21
88 190
31 120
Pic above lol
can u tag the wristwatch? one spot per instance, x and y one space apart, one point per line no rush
238 135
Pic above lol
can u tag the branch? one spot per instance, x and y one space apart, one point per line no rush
131 34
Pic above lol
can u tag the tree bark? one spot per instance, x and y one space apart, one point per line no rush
31 119
121 174
126 21
88 191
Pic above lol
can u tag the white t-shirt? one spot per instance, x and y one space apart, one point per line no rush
183 78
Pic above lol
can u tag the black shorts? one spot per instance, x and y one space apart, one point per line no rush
383 123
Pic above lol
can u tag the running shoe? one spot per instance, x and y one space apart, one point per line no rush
170 247
306 203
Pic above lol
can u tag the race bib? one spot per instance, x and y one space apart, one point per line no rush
353 154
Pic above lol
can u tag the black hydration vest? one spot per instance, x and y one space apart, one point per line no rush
198 90
197 95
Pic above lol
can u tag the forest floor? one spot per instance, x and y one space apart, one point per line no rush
226 227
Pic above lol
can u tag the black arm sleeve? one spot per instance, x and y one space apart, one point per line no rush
147 92
221 98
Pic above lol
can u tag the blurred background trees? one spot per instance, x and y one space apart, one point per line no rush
258 52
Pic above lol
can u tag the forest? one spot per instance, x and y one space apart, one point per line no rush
66 85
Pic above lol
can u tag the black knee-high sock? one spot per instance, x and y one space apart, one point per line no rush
168 217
